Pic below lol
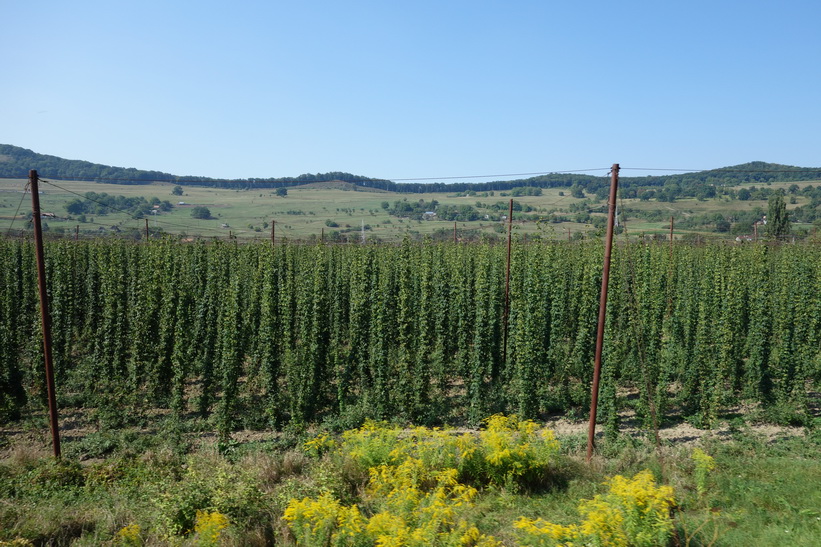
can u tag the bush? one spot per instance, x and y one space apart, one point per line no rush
634 512
200 212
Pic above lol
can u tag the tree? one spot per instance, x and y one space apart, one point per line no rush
177 190
201 213
778 223
282 192
723 226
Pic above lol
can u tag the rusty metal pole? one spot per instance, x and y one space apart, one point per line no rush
44 314
608 246
507 282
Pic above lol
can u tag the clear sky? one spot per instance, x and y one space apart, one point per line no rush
389 89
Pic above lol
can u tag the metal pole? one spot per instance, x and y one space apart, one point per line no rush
273 233
507 280
44 314
608 245
454 232
146 229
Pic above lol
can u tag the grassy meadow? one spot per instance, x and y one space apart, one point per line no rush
171 484
311 210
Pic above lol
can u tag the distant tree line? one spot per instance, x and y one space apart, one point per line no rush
103 204
16 162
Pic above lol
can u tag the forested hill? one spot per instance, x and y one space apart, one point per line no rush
16 162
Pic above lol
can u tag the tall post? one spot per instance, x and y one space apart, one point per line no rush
454 232
507 281
146 229
44 314
608 246
77 232
273 233
671 236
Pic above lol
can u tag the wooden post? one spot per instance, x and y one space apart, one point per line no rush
146 229
454 232
608 246
77 232
273 233
44 313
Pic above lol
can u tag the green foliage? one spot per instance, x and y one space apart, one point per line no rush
252 336
778 223
415 495
201 212
508 452
633 513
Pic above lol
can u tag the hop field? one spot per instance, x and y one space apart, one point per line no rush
258 337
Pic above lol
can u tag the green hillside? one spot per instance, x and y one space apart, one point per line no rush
721 203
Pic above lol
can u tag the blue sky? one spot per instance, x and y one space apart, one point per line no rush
412 89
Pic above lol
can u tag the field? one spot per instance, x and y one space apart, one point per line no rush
311 210
206 388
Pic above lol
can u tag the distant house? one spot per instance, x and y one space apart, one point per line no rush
428 215
744 239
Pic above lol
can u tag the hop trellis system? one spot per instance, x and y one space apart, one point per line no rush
259 336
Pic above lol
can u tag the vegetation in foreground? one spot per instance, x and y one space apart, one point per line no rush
509 483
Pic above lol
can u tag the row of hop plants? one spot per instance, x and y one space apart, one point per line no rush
423 484
256 336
